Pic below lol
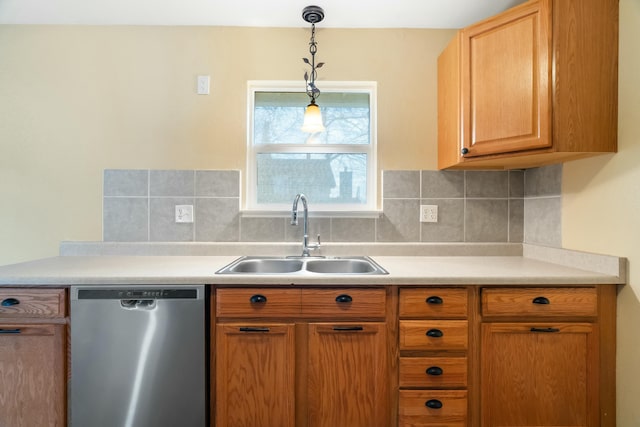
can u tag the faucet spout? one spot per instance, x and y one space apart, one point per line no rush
306 247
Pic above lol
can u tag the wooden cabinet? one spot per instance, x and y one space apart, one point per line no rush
534 85
255 381
309 357
433 343
32 357
347 375
542 353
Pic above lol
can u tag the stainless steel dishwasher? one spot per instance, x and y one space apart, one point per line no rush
138 356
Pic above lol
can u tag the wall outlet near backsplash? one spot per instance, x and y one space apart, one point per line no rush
142 205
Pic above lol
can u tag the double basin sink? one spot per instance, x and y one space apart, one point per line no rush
303 265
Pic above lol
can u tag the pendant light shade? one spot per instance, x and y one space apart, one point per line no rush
312 119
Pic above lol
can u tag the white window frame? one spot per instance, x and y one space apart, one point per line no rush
343 209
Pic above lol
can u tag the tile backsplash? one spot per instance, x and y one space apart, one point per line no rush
473 206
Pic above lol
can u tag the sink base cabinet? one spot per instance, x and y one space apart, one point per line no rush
255 375
302 357
347 375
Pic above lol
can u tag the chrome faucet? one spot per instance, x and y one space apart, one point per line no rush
306 247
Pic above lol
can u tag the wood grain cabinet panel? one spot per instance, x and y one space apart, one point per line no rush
344 303
539 375
257 302
433 303
433 372
434 335
534 85
255 367
424 408
33 358
347 375
32 303
540 302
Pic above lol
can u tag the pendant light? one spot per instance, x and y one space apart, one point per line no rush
312 116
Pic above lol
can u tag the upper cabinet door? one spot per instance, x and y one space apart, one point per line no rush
505 82
534 85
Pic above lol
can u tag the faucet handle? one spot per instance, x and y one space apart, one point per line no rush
318 239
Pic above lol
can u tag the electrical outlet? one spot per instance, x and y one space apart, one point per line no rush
184 213
428 213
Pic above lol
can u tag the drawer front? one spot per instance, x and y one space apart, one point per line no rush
344 303
257 302
543 302
433 407
433 372
433 303
433 335
45 303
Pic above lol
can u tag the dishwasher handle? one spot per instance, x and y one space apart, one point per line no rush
138 304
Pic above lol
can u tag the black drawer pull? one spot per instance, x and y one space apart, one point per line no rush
344 298
8 302
348 328
253 329
9 331
541 300
434 333
545 330
464 151
434 370
434 300
433 404
258 299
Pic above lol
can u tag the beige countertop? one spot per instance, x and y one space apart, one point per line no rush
536 266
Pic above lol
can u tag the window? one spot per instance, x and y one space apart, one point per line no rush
335 169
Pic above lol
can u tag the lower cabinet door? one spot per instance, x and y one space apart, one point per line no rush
539 374
32 379
255 375
348 375
433 408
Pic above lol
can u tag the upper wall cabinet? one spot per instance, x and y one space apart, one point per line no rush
534 85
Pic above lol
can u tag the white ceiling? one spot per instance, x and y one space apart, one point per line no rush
259 13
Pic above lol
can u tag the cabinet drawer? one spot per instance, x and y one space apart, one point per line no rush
343 303
433 334
46 303
433 407
433 372
433 303
542 302
257 302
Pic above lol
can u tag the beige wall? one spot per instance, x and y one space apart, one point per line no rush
601 211
76 100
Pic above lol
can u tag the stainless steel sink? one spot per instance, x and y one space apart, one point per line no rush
303 266
266 266
341 266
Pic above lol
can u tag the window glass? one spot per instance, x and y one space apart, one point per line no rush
335 169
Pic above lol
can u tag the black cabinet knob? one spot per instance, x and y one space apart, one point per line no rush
434 370
541 300
258 299
344 298
464 151
433 404
8 302
434 300
434 333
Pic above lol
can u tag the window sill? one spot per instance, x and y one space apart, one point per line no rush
253 213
